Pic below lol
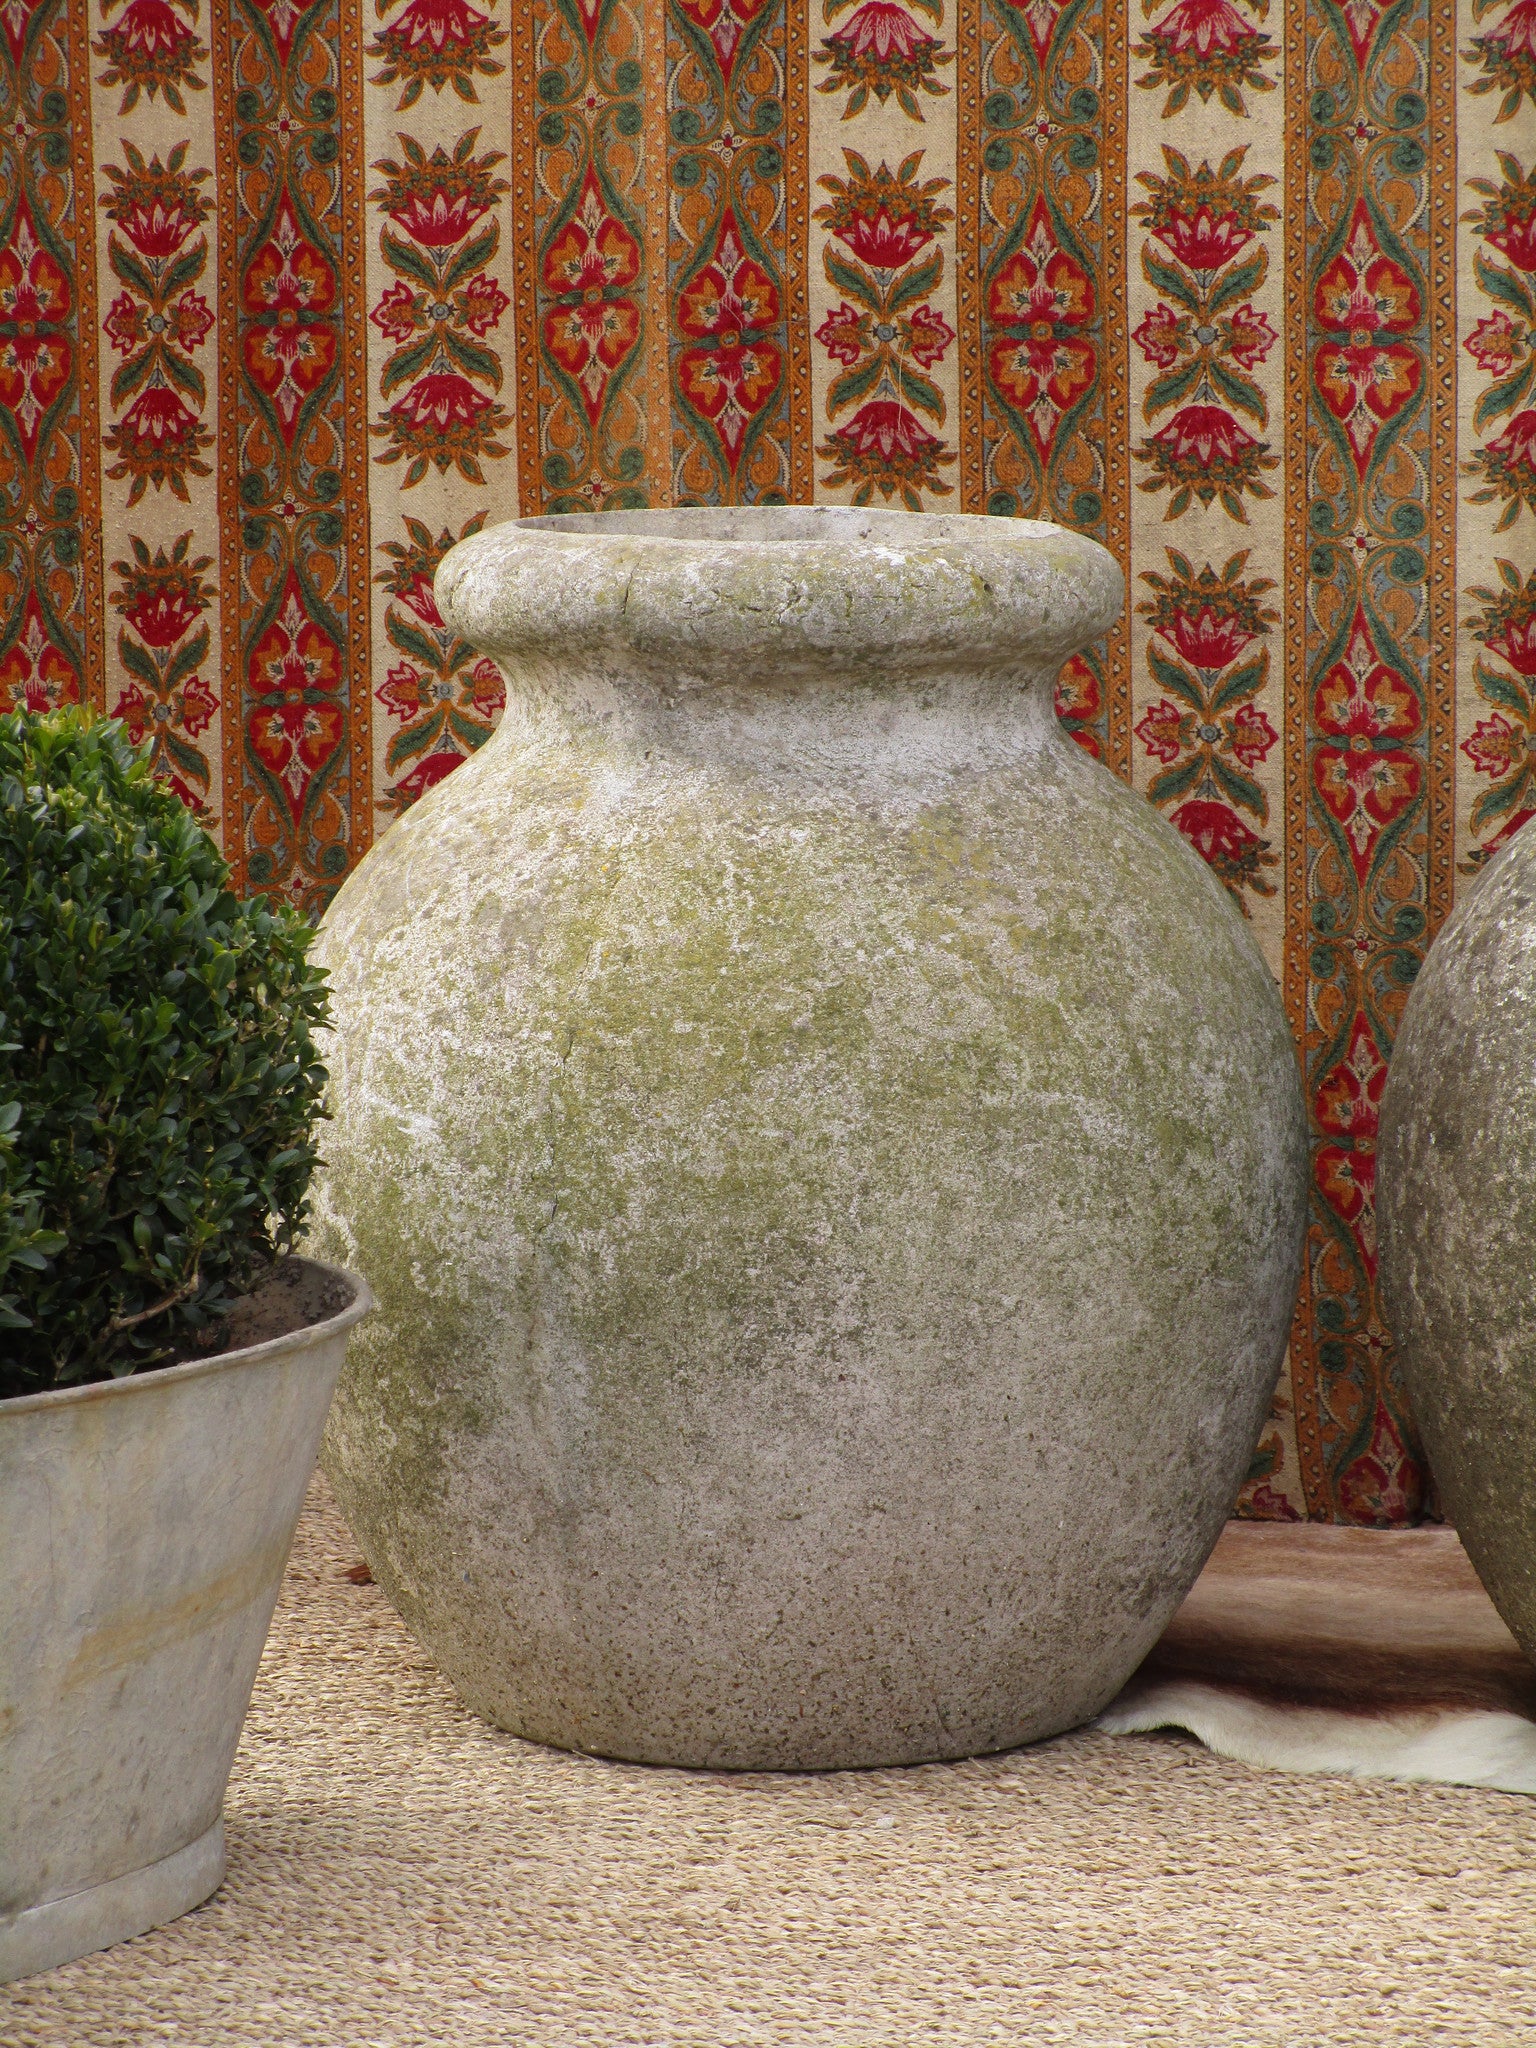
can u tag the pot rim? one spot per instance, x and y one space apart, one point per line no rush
361 1304
698 596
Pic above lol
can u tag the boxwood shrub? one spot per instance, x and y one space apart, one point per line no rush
159 1078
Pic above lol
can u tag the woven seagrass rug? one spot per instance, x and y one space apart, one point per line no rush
402 1876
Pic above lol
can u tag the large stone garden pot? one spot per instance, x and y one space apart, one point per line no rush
144 1525
1456 1218
829 1156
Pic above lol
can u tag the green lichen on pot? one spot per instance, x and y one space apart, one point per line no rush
829 1157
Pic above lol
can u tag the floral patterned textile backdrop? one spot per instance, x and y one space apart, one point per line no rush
291 296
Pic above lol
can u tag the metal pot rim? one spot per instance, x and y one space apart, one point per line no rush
223 1361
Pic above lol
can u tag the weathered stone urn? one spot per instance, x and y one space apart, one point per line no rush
829 1156
1456 1219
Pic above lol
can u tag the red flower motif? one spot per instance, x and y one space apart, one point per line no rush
1205 437
882 31
150 49
1161 730
481 304
283 17
1515 234
288 274
886 241
161 615
189 709
1206 638
1518 821
291 289
191 321
414 590
158 440
1348 1106
125 324
1205 46
440 216
927 335
438 199
1496 746
1206 28
33 286
1362 698
1203 238
845 334
396 314
1236 854
35 362
187 323
1249 337
593 251
488 687
1517 31
1203 453
1363 290
440 403
884 217
161 595
1496 344
1265 1505
1250 735
881 50
591 341
1160 337
437 43
889 432
295 652
157 205
1516 448
1513 636
886 447
427 774
401 693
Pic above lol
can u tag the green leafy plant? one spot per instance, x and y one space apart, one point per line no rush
159 1079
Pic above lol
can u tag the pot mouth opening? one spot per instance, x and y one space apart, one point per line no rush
788 525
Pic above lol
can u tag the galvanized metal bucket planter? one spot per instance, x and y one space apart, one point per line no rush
144 1524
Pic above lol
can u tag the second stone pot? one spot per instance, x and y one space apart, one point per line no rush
1456 1214
829 1156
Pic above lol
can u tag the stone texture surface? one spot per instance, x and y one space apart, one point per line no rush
801 1117
1456 1214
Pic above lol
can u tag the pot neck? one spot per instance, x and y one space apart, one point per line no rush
788 634
828 727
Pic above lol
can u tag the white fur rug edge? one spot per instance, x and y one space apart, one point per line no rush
1447 1746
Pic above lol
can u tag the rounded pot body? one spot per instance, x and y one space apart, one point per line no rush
830 1157
145 1523
1456 1220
